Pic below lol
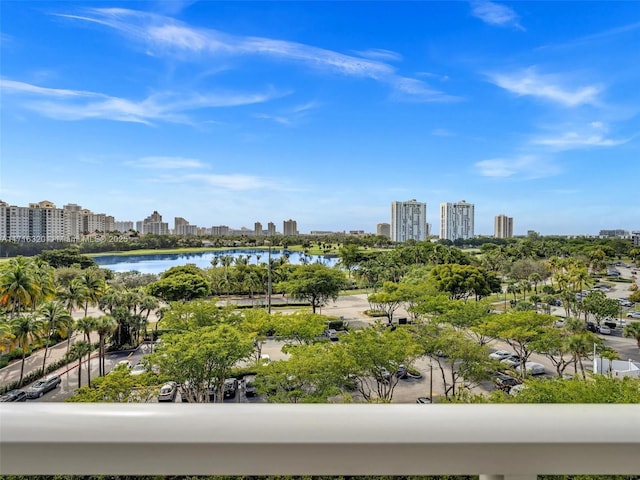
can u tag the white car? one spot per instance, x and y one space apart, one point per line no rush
138 369
605 330
533 368
126 363
633 314
500 354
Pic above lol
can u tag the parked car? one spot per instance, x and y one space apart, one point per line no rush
559 323
250 389
424 400
138 369
500 354
533 368
168 392
505 382
633 314
230 388
43 386
592 327
604 330
14 396
126 363
511 361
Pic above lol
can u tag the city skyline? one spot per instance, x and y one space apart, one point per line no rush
227 113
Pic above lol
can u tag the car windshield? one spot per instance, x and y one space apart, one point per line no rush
39 384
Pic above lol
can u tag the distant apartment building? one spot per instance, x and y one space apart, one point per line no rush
271 229
456 220
503 226
220 230
383 230
635 238
96 222
408 221
614 233
123 226
46 222
182 227
290 228
257 229
153 224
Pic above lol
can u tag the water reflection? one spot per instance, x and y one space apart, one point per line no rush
158 263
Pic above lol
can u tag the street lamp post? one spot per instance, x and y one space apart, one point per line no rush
269 278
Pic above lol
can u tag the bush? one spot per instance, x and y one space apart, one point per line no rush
4 361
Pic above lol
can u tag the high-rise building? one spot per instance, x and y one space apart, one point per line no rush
456 220
257 229
154 224
271 229
290 228
384 230
635 239
182 227
503 226
408 221
123 226
46 222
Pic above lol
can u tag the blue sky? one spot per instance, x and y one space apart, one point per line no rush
227 113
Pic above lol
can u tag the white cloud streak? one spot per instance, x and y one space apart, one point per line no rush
522 166
65 104
575 140
548 87
166 163
495 14
163 36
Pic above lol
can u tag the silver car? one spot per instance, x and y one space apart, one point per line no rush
43 386
168 392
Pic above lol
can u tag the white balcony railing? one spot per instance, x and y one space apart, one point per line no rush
496 441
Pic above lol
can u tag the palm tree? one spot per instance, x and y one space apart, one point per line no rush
72 296
87 325
80 348
55 319
26 330
95 287
105 325
44 274
19 287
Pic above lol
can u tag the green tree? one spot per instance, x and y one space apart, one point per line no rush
105 325
377 352
180 287
464 281
19 287
25 330
520 329
202 358
79 349
300 327
55 319
118 387
86 325
632 330
314 283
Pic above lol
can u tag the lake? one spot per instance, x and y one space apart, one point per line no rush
158 263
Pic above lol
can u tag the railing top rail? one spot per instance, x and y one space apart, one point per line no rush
250 439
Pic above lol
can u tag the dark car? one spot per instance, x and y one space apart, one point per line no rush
230 388
14 396
592 327
505 382
168 392
250 389
43 386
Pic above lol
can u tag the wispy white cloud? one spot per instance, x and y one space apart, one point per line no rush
380 54
290 116
65 104
231 182
570 138
553 88
495 14
587 39
163 36
521 166
167 163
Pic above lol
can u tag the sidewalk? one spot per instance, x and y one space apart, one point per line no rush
11 373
